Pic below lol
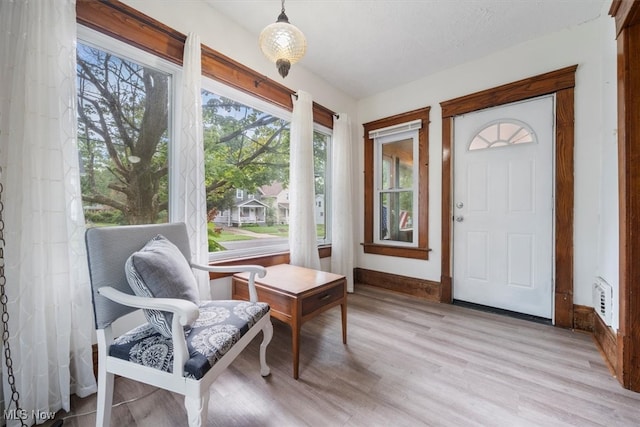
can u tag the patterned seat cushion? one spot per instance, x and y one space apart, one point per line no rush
220 325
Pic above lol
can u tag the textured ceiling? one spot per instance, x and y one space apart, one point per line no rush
367 46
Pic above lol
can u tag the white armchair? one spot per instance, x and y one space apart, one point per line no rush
201 338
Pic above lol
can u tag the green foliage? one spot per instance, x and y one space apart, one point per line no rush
123 135
320 143
321 231
212 236
244 149
123 123
227 236
217 235
214 246
104 216
275 230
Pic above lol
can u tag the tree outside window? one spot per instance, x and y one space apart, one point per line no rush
123 122
247 153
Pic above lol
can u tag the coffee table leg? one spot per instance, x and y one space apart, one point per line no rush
295 338
343 309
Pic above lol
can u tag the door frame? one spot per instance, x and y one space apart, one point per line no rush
560 83
627 341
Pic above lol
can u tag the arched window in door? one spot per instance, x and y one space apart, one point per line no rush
502 133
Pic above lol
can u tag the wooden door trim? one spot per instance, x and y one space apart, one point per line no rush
561 83
627 17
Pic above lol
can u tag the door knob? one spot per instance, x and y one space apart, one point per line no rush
459 218
459 205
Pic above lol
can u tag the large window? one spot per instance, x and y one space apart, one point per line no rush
396 185
124 118
247 174
125 111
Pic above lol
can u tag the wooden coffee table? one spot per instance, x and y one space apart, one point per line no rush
296 294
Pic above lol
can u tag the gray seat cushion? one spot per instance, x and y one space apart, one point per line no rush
159 270
221 324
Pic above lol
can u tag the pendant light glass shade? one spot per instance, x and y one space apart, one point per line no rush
283 43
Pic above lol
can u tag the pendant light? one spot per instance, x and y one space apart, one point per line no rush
283 43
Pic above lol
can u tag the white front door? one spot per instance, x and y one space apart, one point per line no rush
503 207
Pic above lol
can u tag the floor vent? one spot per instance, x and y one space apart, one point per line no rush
602 299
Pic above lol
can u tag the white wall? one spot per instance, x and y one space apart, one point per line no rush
228 38
590 45
580 45
608 237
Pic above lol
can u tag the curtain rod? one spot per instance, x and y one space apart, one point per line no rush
336 115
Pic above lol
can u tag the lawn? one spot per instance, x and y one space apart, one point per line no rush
226 236
273 230
230 235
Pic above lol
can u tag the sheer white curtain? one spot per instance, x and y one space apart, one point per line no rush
192 199
303 240
342 200
47 279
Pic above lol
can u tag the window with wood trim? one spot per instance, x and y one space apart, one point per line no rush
125 24
396 185
246 144
125 124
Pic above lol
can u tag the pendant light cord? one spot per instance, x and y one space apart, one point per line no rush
11 379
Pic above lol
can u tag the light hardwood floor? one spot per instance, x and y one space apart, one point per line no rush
407 363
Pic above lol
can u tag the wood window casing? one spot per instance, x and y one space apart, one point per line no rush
129 25
126 24
422 250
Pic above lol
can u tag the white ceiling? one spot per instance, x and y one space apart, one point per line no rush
367 46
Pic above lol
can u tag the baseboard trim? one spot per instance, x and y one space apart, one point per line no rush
583 318
421 288
606 339
586 319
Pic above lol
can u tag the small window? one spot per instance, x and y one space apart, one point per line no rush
239 194
502 134
396 184
396 192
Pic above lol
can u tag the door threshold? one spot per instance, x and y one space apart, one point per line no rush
502 312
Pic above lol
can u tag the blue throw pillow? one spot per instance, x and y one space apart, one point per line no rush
159 270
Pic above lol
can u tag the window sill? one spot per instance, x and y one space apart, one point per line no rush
397 251
264 260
